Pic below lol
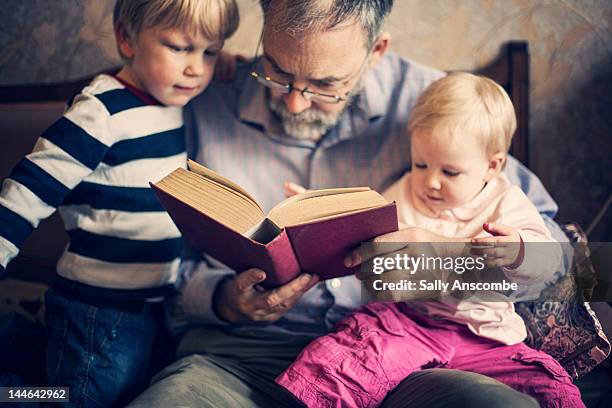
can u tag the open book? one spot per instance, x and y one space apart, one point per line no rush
310 232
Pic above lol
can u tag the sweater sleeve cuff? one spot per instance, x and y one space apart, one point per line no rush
198 293
520 257
541 260
518 271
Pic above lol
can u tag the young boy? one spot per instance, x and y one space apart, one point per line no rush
461 128
94 164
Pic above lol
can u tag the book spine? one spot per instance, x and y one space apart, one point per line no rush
284 264
230 247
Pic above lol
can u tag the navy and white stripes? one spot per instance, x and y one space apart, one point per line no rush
94 165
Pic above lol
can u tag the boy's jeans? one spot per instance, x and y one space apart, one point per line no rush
105 356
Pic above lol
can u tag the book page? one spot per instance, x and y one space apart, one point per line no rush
215 200
318 204
316 193
208 173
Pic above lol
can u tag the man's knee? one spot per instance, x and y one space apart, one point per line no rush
434 388
191 381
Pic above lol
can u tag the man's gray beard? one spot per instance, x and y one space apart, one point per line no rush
310 124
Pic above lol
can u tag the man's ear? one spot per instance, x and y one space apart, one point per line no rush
124 43
496 164
380 47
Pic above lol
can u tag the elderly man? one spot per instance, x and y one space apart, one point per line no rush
325 106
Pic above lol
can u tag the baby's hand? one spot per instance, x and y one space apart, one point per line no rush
504 248
225 68
292 189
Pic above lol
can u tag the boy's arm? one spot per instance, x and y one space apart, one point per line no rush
67 152
225 68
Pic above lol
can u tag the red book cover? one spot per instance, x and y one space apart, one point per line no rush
321 246
316 247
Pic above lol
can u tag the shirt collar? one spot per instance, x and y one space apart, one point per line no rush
492 190
146 98
374 98
368 104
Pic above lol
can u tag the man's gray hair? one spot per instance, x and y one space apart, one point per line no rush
295 17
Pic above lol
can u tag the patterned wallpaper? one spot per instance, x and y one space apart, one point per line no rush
571 67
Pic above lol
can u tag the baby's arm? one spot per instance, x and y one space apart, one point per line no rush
292 189
504 248
523 245
67 152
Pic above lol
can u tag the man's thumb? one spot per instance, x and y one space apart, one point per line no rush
249 278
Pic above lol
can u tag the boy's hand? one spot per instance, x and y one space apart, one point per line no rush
504 248
225 68
292 189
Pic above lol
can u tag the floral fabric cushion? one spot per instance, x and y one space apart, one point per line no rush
568 330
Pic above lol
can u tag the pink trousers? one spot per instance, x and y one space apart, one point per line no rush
374 349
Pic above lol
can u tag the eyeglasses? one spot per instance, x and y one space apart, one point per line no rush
288 88
307 94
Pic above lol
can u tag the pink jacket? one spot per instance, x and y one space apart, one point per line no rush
499 202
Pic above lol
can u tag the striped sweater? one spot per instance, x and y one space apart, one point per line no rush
94 165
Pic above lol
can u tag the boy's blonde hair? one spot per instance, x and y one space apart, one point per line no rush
216 19
466 104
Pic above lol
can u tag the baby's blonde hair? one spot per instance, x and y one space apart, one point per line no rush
466 104
216 19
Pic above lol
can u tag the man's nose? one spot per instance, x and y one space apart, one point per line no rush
295 102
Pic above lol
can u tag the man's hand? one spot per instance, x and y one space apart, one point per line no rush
412 242
502 249
240 300
407 240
